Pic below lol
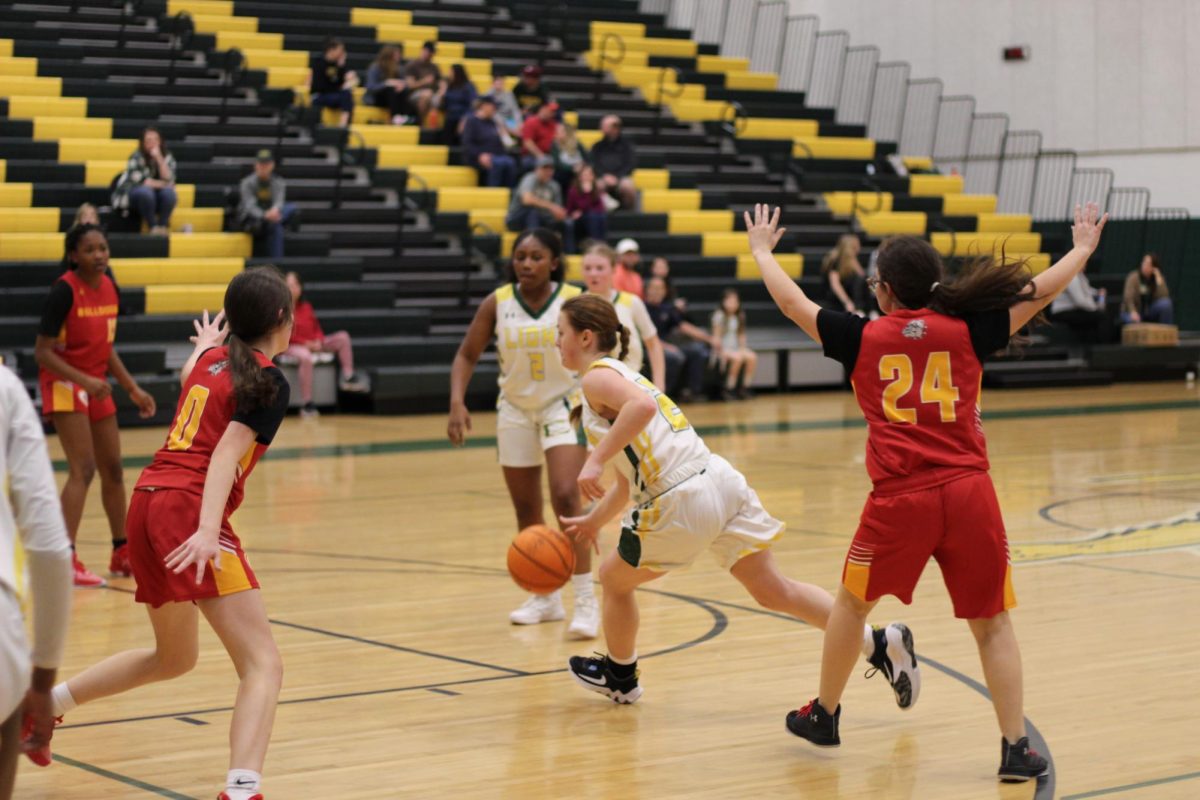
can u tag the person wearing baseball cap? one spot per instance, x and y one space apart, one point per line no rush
263 210
530 91
626 276
537 202
483 145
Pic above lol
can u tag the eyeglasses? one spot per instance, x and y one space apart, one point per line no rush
873 283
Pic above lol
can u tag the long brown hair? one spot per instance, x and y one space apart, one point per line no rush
913 270
589 312
387 61
840 257
256 303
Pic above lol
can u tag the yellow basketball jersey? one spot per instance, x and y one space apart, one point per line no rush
531 373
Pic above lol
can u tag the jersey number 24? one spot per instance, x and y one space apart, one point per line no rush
937 386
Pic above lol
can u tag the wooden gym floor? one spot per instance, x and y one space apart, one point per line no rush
381 553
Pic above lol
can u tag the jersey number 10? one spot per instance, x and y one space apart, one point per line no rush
937 386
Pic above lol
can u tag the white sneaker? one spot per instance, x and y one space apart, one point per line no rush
539 608
586 621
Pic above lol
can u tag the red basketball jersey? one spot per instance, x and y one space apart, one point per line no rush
917 379
85 338
207 405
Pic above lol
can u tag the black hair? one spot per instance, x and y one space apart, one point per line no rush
548 239
256 302
162 140
458 76
331 42
73 239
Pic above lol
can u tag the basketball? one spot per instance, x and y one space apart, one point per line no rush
541 559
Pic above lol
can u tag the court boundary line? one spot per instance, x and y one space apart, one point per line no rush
1131 787
119 778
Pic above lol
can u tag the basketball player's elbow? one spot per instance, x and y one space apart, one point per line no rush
642 409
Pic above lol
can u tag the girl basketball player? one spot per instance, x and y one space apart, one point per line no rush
686 499
231 404
74 351
916 374
598 265
533 409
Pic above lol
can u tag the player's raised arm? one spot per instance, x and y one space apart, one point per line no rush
1085 234
764 233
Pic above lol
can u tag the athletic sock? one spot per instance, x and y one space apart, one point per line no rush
61 700
242 784
582 585
868 643
119 542
622 668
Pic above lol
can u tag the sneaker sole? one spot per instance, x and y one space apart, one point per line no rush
580 635
1023 778
556 618
904 664
624 698
825 744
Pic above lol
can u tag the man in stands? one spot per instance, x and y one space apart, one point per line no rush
628 277
530 91
538 133
537 202
262 207
614 160
483 145
332 83
424 80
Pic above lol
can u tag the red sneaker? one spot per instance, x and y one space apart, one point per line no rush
85 578
39 755
118 565
223 796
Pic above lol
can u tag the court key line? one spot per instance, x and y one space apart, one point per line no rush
426 445
1129 787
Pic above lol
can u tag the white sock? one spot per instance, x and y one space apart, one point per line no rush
868 645
61 700
624 661
242 784
582 585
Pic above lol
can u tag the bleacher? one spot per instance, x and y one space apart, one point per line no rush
398 243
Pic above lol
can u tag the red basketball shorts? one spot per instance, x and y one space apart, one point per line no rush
957 523
66 397
160 520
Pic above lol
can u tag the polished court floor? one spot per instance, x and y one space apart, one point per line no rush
381 553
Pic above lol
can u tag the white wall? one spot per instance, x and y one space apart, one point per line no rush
1116 80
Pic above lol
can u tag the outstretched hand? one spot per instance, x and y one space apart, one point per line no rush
1086 230
763 231
210 333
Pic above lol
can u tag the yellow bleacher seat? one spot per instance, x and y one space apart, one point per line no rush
682 222
100 173
31 246
3 170
917 162
6 47
378 135
589 138
833 147
219 23
1004 223
157 271
229 40
16 195
974 244
30 220
408 155
470 199
770 128
18 86
362 115
493 218
264 59
933 185
201 220
638 76
967 204
390 32
593 60
574 271
756 81
747 267
673 93
96 149
1037 262
51 128
287 77
634 30
380 16
185 195
698 110
722 64
725 244
507 240
32 107
571 118
846 203
206 7
435 177
210 245
887 223
185 298
651 179
11 67
663 200
661 47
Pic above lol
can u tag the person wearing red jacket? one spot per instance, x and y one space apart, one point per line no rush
308 339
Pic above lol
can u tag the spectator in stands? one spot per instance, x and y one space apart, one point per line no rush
845 283
537 202
538 134
308 339
585 207
615 159
569 155
424 79
386 87
530 92
660 268
457 102
483 145
685 346
508 110
1146 298
87 214
735 358
628 278
148 182
332 83
1082 309
263 210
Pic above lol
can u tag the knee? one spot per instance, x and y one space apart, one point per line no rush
768 595
564 497
609 576
111 473
175 663
83 470
987 630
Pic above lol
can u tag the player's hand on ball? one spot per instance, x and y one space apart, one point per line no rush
198 550
589 480
582 529
763 230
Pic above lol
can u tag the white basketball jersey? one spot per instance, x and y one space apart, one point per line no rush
628 307
531 372
665 449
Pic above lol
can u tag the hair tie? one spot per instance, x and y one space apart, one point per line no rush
934 287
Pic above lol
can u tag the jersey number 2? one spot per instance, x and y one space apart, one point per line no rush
188 422
937 386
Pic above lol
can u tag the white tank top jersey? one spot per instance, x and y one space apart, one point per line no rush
666 452
632 313
531 372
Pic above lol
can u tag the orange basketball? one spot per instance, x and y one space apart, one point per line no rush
541 559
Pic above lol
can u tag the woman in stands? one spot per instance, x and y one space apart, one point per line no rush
598 265
186 556
536 396
148 182
845 283
308 339
916 373
457 102
385 84
74 351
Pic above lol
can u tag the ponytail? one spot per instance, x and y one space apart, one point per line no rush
257 303
623 338
589 312
252 386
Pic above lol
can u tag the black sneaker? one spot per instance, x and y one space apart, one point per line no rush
895 658
816 724
596 675
1019 762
